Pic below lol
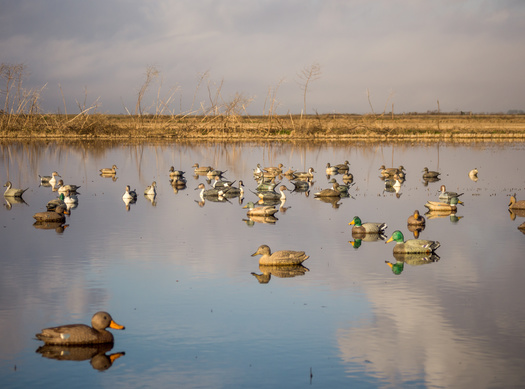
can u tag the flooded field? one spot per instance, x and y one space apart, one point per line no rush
177 269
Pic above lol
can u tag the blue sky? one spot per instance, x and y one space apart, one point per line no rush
469 55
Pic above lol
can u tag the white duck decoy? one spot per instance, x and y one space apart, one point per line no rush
13 192
151 190
129 194
51 179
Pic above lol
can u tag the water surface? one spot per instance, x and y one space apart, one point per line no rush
177 272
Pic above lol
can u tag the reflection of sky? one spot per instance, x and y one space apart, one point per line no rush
178 276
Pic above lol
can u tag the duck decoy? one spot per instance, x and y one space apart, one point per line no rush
151 190
343 167
367 228
442 206
282 257
266 186
178 182
302 185
412 245
260 211
516 204
209 192
75 334
330 192
271 195
429 173
473 174
258 170
129 194
305 175
48 179
348 178
340 187
64 188
289 173
13 192
416 219
274 170
217 183
201 169
231 191
215 173
387 172
52 204
109 170
175 173
70 199
56 215
330 170
445 195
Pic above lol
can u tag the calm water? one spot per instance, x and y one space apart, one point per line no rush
177 273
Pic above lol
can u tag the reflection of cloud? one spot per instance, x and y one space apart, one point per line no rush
410 338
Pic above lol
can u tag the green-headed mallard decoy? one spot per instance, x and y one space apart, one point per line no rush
271 195
282 257
51 179
412 245
330 192
201 169
367 228
429 173
447 195
52 204
13 192
305 175
109 170
151 190
441 206
129 194
56 215
260 211
516 204
64 188
416 219
80 333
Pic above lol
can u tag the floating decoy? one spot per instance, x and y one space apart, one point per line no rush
215 173
302 185
151 190
304 175
64 188
340 187
201 169
129 194
175 173
445 195
56 215
387 172
266 185
109 170
231 191
258 170
70 199
331 169
50 178
441 206
217 183
209 192
260 211
81 333
473 174
343 167
429 173
516 204
348 178
416 219
178 182
52 204
13 192
274 170
271 195
367 228
412 245
330 192
282 257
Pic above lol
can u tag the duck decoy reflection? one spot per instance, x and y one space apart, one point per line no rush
95 353
283 271
77 334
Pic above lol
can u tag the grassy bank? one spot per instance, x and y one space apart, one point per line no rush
446 127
